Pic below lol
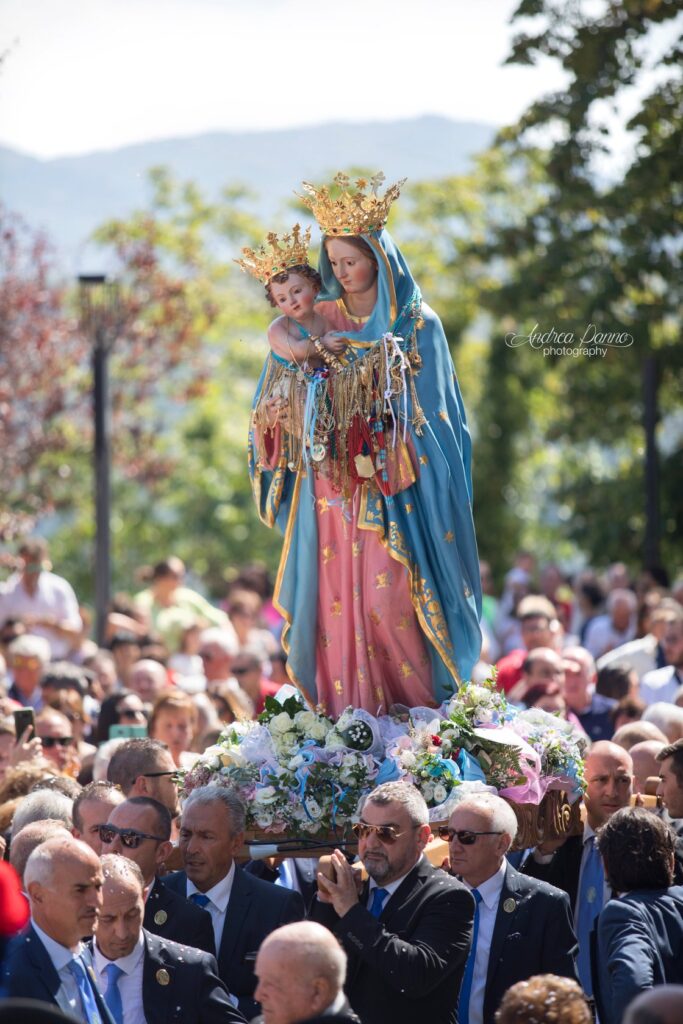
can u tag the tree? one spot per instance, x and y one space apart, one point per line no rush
605 252
41 376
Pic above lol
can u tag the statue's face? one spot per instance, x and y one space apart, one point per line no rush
355 271
294 297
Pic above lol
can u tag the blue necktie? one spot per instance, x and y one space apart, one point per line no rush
112 996
200 899
91 1013
465 991
378 897
588 907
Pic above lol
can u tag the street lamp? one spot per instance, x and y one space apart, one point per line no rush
100 321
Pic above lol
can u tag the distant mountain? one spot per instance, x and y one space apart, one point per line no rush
70 196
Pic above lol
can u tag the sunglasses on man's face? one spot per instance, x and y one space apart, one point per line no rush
130 837
387 834
465 836
175 774
54 741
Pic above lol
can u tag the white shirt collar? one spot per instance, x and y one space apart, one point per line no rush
59 954
391 887
219 894
588 832
491 889
126 963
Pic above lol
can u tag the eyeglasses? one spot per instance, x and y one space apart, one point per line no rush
130 837
131 713
386 834
25 661
53 741
464 836
175 774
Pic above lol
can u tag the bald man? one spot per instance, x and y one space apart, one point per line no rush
301 970
660 1005
147 978
645 763
49 962
574 864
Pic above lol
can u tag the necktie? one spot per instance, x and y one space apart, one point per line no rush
91 1014
464 1004
378 896
200 899
588 907
112 996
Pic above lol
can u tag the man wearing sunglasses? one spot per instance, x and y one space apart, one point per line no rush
407 933
57 737
522 927
144 767
140 829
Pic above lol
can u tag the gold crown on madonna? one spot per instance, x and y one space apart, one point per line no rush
356 212
276 255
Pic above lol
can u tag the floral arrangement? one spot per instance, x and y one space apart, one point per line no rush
300 771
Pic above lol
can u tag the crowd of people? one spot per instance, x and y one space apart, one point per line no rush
119 904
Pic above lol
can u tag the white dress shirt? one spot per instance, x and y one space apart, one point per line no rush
490 891
129 983
219 897
53 598
67 996
391 887
661 685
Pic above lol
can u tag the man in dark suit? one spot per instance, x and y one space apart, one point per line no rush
48 962
243 909
522 926
301 969
144 977
407 934
140 829
575 865
640 932
298 873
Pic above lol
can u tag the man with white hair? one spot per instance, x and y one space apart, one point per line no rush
522 927
301 969
217 650
617 627
40 805
49 962
591 708
407 933
27 657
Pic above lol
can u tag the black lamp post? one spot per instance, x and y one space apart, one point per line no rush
100 318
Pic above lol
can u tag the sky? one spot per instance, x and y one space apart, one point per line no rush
86 75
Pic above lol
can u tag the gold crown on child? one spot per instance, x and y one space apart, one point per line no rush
356 212
276 255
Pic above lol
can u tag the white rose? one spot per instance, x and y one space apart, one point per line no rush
263 818
281 723
334 741
484 716
296 762
408 759
478 694
440 793
428 791
267 795
304 720
319 730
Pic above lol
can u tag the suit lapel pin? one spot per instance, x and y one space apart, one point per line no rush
163 977
509 906
161 917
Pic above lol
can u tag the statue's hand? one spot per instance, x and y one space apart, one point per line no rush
334 343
